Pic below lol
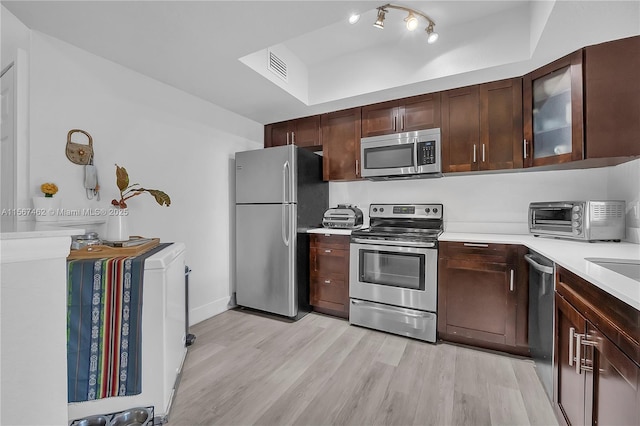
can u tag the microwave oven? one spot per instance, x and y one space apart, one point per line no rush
401 155
581 220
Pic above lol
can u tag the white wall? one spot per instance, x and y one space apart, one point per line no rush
623 183
166 139
499 202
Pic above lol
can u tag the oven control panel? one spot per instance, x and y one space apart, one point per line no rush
415 211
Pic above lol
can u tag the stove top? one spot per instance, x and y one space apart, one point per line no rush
403 222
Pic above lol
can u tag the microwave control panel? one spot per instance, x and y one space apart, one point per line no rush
426 153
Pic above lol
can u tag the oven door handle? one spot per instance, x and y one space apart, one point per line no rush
415 155
408 312
394 243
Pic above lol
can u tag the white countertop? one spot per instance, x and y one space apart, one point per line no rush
571 255
332 231
31 229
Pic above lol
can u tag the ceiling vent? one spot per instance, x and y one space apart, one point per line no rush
277 66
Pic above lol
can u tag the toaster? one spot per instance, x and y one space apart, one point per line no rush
345 216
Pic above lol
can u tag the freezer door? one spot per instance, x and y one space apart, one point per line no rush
265 261
266 175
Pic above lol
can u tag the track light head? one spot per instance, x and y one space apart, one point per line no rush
381 15
412 21
432 36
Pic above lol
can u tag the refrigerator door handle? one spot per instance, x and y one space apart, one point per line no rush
285 224
286 171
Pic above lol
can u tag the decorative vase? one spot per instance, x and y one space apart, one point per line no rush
46 208
117 225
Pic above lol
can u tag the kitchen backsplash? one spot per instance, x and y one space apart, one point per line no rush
498 203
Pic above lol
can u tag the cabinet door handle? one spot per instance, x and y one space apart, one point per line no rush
474 152
293 138
572 333
511 285
327 251
402 123
476 245
395 118
584 366
483 153
578 346
357 168
524 148
327 281
287 138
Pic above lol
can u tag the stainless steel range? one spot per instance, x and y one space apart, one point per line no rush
393 270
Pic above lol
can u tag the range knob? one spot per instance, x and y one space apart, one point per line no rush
375 209
577 231
427 210
381 209
577 209
576 216
435 210
575 224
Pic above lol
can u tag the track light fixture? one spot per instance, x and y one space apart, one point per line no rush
380 20
411 20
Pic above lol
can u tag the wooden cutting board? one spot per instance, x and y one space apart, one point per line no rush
101 251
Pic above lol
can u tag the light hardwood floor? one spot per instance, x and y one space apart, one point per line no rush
246 369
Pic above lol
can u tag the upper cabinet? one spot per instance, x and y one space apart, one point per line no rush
341 145
612 98
403 115
460 129
304 132
482 127
500 125
553 112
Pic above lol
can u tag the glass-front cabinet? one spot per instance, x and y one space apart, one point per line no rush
553 113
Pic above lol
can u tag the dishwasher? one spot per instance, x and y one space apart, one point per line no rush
541 317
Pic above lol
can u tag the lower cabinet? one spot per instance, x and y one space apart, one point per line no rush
329 269
482 295
597 359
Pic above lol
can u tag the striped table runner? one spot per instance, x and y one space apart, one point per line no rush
104 326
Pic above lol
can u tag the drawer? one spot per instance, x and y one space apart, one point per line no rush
329 262
330 241
329 293
484 252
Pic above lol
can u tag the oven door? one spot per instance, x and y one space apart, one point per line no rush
394 275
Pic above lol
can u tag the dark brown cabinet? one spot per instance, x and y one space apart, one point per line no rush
597 359
329 276
341 145
460 129
612 98
402 115
304 132
482 295
553 112
500 125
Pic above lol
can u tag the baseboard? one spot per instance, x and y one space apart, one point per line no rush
209 310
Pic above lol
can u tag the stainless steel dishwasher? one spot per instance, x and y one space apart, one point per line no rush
541 314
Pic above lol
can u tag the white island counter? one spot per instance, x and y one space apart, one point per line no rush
33 318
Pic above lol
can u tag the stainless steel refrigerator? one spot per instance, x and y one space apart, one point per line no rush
279 195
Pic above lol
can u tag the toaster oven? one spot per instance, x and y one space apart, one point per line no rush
581 220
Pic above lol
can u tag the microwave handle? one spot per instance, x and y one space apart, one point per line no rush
415 154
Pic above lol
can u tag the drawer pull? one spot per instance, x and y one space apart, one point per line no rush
327 281
476 245
327 251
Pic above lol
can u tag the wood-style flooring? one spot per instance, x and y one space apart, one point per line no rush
245 369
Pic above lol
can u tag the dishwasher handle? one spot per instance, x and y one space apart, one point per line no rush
538 267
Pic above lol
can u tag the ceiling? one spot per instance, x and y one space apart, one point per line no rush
217 50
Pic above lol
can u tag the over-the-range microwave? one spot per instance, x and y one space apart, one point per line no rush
581 220
401 155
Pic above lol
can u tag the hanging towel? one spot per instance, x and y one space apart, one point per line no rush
104 326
